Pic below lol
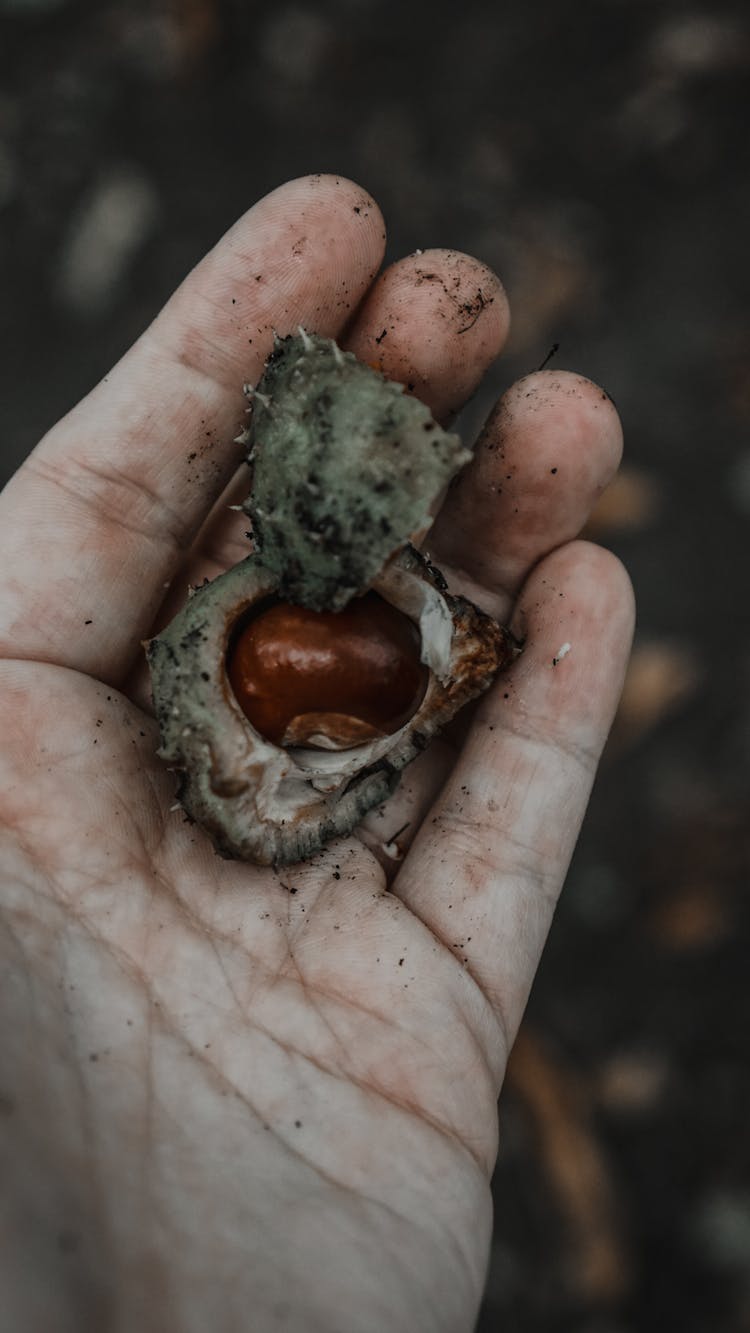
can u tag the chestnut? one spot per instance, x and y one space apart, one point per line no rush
334 679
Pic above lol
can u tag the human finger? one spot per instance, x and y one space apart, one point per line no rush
486 868
435 321
549 448
100 516
540 418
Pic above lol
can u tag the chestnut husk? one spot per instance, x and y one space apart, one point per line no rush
346 469
260 802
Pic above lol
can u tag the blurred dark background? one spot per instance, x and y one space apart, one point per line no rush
592 154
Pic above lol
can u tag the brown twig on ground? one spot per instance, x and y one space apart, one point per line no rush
596 1265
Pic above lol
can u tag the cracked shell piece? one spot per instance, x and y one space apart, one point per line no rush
346 467
260 802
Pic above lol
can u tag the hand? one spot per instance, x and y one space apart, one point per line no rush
235 1098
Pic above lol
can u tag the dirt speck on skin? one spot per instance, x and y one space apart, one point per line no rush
471 310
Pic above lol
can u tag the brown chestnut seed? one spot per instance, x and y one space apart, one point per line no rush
332 678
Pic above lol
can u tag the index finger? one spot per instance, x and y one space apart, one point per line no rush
97 520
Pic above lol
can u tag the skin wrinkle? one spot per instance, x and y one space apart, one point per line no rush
330 993
88 1122
190 354
169 1025
370 1089
33 888
496 1020
311 992
224 1083
267 976
154 839
470 827
138 975
16 944
97 882
161 526
583 755
493 994
86 1117
138 978
249 262
135 974
470 832
150 1212
480 993
161 540
170 889
242 1009
317 992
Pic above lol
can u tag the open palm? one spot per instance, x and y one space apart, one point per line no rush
238 1098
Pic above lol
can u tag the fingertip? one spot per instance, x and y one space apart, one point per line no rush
548 450
576 616
590 413
582 575
307 253
327 187
607 570
435 320
349 199
602 582
331 237
474 299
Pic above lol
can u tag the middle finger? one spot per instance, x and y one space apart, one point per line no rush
549 448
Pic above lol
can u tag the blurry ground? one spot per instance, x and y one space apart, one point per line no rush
590 153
